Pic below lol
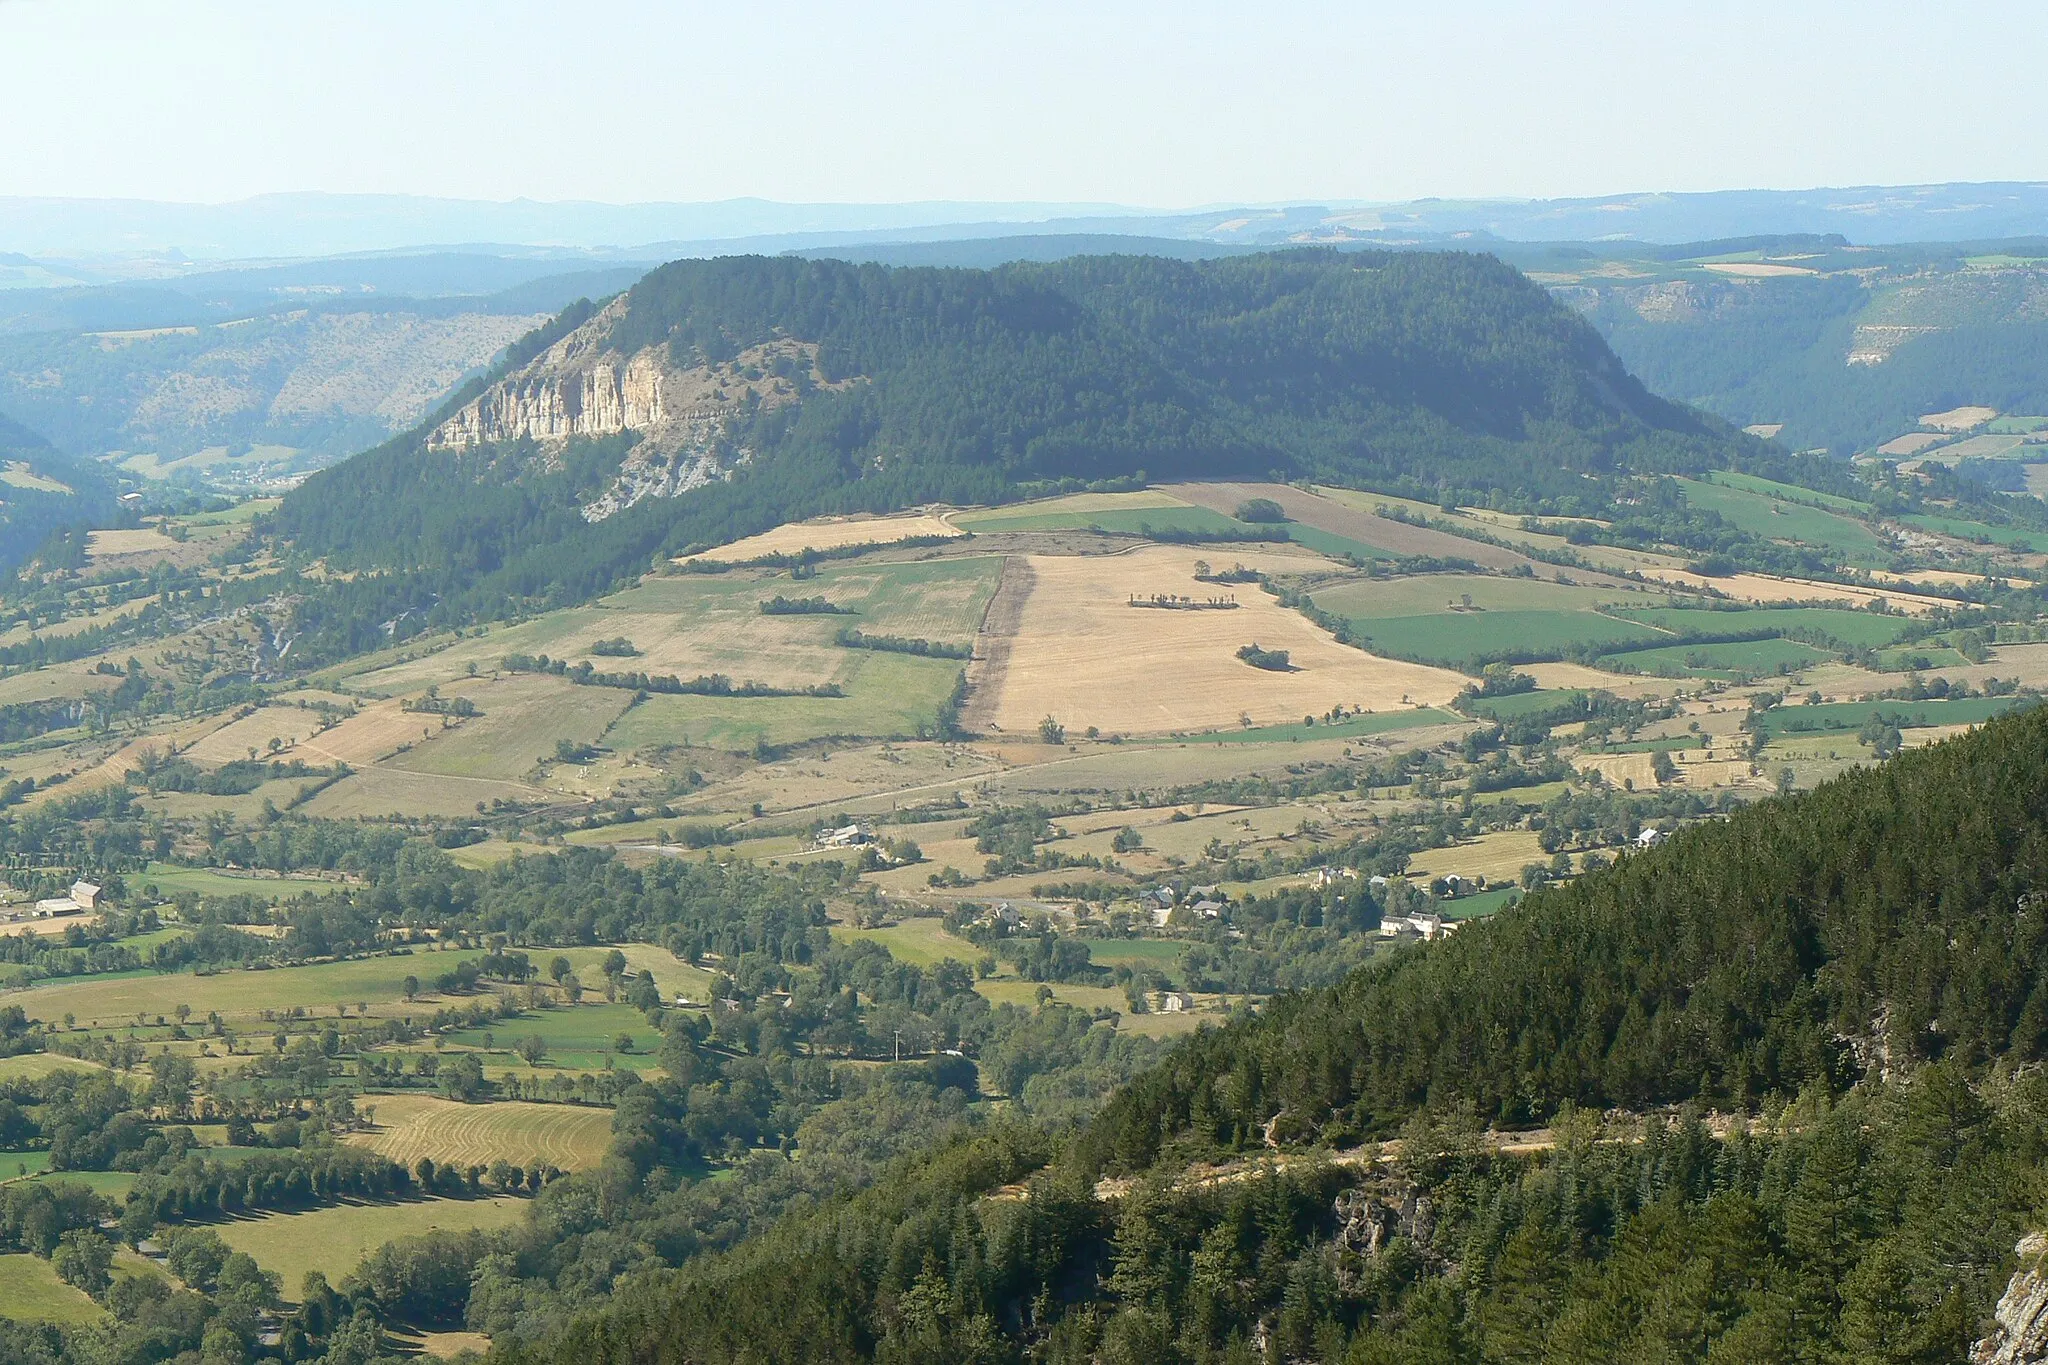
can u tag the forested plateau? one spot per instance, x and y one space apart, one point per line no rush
823 386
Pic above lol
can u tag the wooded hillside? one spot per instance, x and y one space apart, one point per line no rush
1858 971
1430 373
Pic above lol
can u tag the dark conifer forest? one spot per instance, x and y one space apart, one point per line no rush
1785 1068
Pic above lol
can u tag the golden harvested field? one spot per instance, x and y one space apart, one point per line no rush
372 733
142 548
1498 857
413 1126
1756 587
378 791
335 1240
1620 768
1755 270
234 740
831 533
1959 419
1080 653
1912 443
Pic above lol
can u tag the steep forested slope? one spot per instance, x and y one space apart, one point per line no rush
42 490
1427 372
1858 971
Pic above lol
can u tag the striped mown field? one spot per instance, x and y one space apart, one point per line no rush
413 1126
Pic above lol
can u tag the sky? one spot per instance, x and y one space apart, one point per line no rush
1163 105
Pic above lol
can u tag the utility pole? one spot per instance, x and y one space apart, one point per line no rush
899 1045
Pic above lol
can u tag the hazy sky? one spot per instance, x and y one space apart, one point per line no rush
1166 105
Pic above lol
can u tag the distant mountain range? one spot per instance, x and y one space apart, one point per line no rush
85 241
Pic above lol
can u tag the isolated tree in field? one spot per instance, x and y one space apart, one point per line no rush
1051 731
615 963
559 969
533 1047
411 987
1662 768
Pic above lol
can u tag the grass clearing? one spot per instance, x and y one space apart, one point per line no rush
1372 723
104 1003
1851 715
410 1126
1798 522
31 1292
1726 661
1856 629
921 942
1466 639
335 1240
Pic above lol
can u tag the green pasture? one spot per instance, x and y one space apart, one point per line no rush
1934 654
1856 629
1334 545
31 1292
887 695
578 1037
1788 492
2012 537
1433 594
172 880
1479 905
1462 639
107 1002
921 942
1780 519
16 1165
1727 661
2015 426
1371 723
1851 715
1519 704
335 1240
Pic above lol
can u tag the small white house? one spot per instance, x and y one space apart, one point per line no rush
846 836
1175 1002
1651 837
56 907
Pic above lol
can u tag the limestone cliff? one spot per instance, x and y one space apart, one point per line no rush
684 416
2021 1336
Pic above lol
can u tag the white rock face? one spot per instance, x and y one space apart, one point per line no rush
2021 1337
579 388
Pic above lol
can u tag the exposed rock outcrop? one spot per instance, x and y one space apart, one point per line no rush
684 416
2021 1337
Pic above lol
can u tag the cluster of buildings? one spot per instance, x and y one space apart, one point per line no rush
84 899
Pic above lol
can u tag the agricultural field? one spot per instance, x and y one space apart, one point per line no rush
579 1037
1851 716
1774 518
1077 511
1754 658
1080 652
830 533
1460 620
335 1240
108 1001
409 1127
